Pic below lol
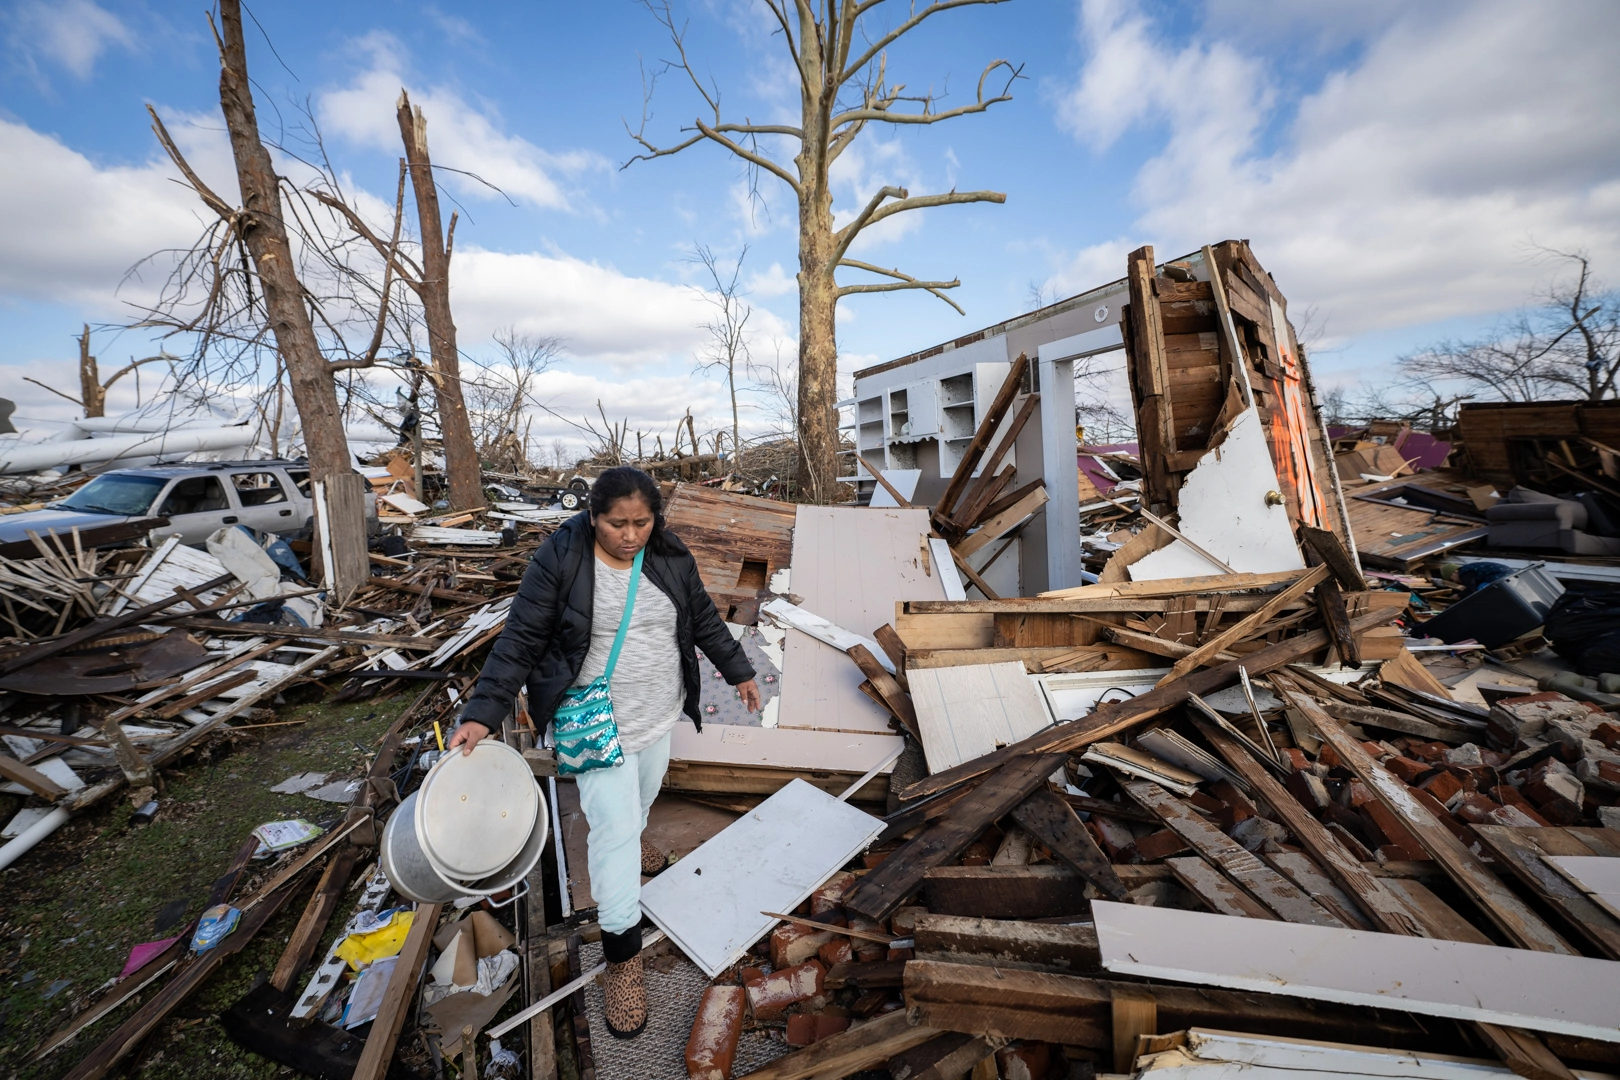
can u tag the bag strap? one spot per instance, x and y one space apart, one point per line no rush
624 623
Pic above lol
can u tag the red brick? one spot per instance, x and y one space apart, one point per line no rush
770 997
806 1028
1510 816
1442 785
793 944
868 1004
1111 834
1308 788
1394 830
904 922
1442 815
1206 802
836 951
1377 750
831 894
1426 751
1296 758
1024 1061
1407 769
801 1029
873 859
1608 735
711 1049
1475 808
901 954
1509 796
1328 756
1357 795
1159 845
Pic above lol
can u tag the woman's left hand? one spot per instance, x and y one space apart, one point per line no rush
749 692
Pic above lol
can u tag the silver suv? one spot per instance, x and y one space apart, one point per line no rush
198 499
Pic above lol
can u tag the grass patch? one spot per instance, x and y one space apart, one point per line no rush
75 905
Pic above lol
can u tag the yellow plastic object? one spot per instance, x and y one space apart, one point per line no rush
361 949
438 734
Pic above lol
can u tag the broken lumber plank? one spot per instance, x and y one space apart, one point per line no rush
1241 630
317 913
1229 603
397 999
1540 991
1106 808
1075 1011
847 1052
1114 717
322 633
1510 914
1330 605
1299 868
1215 891
884 889
891 695
895 649
1028 946
1331 551
1199 585
873 974
1386 911
951 1056
133 1031
1051 821
1042 891
170 748
1266 885
30 778
1521 852
982 436
999 525
982 491
35 653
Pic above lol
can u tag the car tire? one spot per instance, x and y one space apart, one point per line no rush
570 499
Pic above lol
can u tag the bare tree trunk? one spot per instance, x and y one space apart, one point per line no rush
264 232
91 393
461 466
818 315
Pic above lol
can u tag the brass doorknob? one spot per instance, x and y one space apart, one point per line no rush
1274 498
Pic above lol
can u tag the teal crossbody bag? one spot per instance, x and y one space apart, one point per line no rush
583 729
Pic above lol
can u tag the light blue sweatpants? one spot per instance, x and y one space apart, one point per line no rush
616 802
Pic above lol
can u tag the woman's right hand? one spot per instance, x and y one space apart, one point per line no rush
467 735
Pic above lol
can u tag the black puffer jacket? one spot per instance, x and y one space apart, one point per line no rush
548 630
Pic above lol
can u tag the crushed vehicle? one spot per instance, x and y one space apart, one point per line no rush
198 500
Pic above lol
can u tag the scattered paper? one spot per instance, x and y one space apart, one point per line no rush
281 835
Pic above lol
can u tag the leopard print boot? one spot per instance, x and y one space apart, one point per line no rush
653 861
625 998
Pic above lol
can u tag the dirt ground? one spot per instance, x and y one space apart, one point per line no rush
71 909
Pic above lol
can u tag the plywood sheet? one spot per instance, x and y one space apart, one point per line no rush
770 859
966 712
734 538
1572 995
782 748
850 566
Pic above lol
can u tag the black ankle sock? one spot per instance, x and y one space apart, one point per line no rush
617 948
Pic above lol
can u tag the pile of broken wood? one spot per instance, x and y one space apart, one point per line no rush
1351 803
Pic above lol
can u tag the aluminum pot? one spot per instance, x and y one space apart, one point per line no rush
407 865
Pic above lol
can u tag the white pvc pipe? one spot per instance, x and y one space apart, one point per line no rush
32 835
33 458
143 424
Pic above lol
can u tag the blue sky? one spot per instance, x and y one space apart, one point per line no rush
1391 163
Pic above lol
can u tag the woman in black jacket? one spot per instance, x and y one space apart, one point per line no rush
559 633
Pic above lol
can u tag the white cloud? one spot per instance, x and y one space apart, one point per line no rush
460 135
70 34
73 228
773 281
1402 190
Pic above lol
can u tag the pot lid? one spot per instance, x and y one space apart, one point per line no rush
475 811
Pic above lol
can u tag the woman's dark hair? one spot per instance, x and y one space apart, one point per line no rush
627 482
